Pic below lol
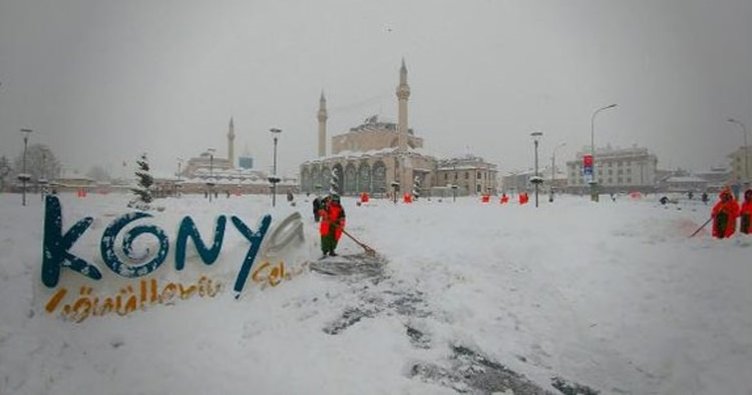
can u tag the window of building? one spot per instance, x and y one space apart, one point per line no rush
478 176
609 181
467 175
629 180
619 180
446 176
609 172
477 188
620 172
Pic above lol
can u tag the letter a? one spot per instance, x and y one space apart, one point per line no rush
56 245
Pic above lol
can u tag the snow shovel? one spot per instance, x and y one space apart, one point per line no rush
369 251
701 227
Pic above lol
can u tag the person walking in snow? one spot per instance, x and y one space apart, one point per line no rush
316 208
745 213
332 225
724 215
705 198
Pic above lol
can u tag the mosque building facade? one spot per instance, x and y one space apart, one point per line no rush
376 157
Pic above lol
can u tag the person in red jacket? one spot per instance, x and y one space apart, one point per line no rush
746 213
332 224
504 198
724 215
523 197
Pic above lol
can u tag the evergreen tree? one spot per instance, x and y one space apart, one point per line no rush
145 180
416 187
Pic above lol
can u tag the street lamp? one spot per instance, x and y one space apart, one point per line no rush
210 182
273 178
594 181
553 169
24 177
536 179
746 148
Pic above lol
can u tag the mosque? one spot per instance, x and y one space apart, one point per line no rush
378 157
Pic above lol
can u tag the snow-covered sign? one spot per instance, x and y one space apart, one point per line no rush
130 273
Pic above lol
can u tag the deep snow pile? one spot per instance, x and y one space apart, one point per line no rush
472 298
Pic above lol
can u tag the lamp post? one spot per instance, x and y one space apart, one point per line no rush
210 183
273 178
746 148
553 169
536 179
594 181
23 177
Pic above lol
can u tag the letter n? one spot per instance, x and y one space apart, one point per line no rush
188 229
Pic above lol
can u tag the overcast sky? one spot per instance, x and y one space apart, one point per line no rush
101 81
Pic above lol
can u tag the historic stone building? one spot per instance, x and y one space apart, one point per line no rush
373 157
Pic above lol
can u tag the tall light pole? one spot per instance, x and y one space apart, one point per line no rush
273 178
23 176
746 148
594 181
536 180
553 169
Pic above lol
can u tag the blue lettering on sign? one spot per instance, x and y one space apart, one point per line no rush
255 238
56 245
188 229
111 259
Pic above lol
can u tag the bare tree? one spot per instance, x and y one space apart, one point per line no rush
99 174
40 163
5 170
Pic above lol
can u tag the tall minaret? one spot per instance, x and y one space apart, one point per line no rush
403 92
322 125
231 145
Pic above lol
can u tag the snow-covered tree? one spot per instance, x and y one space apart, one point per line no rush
416 187
145 180
334 183
40 163
5 170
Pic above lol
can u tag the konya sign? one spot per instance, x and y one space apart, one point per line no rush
121 280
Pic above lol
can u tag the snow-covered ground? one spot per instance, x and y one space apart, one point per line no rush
613 296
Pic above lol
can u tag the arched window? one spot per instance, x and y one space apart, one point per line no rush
364 178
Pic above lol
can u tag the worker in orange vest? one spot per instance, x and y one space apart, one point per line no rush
332 224
724 215
746 213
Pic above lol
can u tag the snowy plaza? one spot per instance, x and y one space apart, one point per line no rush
611 297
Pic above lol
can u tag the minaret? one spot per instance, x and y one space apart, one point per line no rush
403 92
231 145
322 125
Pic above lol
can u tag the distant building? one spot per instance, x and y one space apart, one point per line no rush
616 170
245 162
371 157
470 173
716 177
739 159
688 183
